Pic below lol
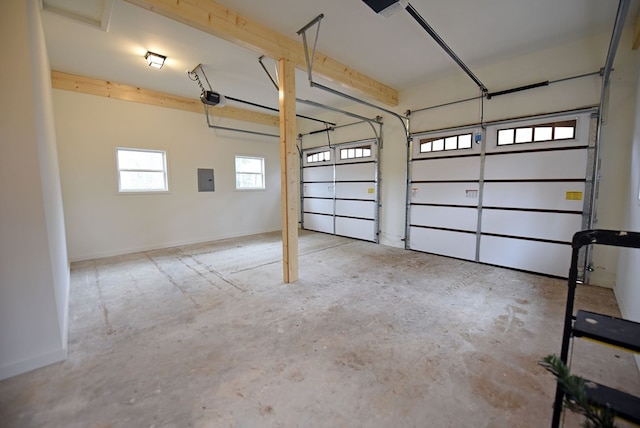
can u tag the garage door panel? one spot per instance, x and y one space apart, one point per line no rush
355 228
319 223
564 164
321 206
453 244
463 168
533 256
445 217
363 209
445 193
540 225
356 171
318 190
533 195
356 190
317 173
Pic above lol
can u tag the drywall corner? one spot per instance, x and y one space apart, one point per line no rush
34 270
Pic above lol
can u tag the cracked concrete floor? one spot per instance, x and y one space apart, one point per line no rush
208 336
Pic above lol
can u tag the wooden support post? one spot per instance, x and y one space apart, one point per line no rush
290 169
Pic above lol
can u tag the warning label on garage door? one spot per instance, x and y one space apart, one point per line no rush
574 196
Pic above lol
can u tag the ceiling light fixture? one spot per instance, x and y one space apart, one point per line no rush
154 60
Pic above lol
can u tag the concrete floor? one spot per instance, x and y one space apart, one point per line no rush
208 336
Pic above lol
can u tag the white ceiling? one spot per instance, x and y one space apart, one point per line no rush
395 50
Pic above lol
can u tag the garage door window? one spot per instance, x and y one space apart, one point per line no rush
141 170
355 152
555 131
249 173
452 142
319 157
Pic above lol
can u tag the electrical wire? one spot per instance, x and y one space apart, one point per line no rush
193 76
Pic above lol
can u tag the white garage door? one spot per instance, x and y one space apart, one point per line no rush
340 190
526 184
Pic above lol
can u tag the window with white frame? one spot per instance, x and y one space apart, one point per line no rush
451 142
554 131
249 173
355 152
319 157
141 170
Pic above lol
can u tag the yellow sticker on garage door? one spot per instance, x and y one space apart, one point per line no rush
574 196
370 190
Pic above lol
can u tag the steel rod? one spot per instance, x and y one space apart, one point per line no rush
275 109
447 104
551 82
268 74
402 119
333 128
224 128
337 110
352 98
303 32
425 25
350 124
579 76
311 23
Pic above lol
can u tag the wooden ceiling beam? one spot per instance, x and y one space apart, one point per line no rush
215 19
119 91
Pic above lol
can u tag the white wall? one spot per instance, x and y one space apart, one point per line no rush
34 270
578 57
627 288
100 222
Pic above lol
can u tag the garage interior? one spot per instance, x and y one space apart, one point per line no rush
400 257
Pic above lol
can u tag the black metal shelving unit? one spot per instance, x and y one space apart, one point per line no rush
605 329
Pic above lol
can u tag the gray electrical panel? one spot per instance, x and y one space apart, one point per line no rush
205 180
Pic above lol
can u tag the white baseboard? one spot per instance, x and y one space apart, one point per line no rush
158 246
14 369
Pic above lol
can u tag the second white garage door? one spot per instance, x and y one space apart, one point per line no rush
513 200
